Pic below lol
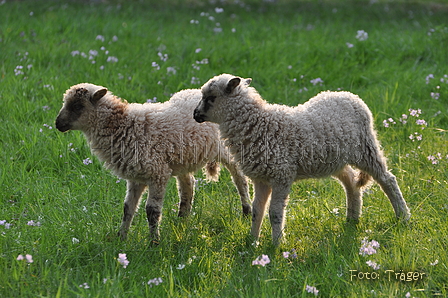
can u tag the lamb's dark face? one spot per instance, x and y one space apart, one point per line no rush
215 93
79 100
200 113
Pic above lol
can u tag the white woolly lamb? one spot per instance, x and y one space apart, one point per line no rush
148 143
276 145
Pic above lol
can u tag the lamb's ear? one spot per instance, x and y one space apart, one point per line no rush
232 84
98 95
247 81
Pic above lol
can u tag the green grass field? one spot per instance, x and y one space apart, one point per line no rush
64 212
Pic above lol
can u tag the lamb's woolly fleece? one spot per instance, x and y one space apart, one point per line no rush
276 144
148 143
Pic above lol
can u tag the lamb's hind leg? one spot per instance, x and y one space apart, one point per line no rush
388 183
347 177
133 195
185 184
375 165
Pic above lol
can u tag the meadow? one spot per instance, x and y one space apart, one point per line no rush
60 209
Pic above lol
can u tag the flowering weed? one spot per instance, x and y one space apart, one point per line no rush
368 247
28 258
262 260
123 260
312 290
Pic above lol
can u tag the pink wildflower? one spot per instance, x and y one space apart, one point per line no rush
27 257
372 264
368 247
311 290
122 259
156 281
33 223
87 161
262 260
316 81
415 113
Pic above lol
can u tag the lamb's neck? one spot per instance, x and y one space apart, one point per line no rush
238 126
105 126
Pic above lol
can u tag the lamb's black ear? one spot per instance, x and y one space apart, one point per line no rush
247 81
98 95
232 84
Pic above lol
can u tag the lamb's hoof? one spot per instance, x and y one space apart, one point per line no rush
183 213
406 217
352 221
247 211
251 242
122 236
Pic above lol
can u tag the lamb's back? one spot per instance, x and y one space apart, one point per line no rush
166 134
334 117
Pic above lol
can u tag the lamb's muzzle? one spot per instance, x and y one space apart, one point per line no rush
198 116
62 127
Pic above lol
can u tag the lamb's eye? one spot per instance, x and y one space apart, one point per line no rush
77 106
210 98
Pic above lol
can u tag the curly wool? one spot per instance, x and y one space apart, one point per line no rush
276 145
158 134
148 143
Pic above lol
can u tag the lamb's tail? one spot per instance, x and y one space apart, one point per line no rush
212 171
363 180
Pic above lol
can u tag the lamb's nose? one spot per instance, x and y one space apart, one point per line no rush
197 116
61 126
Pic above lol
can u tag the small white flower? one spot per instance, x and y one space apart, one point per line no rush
434 263
112 59
171 70
362 35
317 81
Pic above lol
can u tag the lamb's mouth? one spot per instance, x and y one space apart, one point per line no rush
62 127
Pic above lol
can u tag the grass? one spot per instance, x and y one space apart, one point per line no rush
282 46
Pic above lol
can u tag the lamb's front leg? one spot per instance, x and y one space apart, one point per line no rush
154 205
262 192
133 194
185 184
277 211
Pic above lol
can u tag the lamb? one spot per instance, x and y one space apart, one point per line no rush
148 143
276 145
